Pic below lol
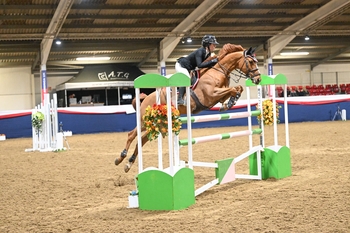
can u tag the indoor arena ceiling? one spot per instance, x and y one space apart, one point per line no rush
135 31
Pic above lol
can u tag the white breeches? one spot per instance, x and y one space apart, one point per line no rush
180 69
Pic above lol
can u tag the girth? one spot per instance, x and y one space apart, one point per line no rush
199 106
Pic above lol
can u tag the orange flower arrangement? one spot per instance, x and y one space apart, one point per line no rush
155 121
267 110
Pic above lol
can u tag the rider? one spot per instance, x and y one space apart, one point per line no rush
196 60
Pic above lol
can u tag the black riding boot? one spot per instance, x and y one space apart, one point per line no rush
180 100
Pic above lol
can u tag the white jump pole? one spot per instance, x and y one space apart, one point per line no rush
275 134
138 129
170 134
160 139
249 109
189 128
176 137
286 119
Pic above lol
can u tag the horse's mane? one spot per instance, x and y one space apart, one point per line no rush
229 48
226 49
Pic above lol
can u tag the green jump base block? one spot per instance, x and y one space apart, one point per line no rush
225 171
275 162
158 190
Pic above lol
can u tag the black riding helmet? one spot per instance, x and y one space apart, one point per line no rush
208 39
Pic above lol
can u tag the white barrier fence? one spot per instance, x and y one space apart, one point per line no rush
47 138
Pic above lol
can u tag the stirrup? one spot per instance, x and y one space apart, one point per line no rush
180 102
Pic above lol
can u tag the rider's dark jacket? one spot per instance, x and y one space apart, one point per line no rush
195 59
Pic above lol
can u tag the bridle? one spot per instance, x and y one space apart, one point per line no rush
249 75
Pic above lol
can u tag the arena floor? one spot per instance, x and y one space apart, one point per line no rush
81 190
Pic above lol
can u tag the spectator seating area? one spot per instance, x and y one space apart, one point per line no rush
315 90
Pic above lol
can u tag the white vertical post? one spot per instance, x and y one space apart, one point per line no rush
34 135
160 139
189 128
262 139
176 137
170 131
258 160
138 122
52 135
274 115
249 118
55 119
286 120
46 130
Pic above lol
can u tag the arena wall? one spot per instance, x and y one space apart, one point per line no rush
16 88
19 90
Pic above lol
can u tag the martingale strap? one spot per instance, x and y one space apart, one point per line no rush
196 75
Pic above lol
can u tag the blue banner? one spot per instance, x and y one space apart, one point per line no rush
163 70
269 69
43 85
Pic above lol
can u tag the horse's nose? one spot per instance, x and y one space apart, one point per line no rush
257 80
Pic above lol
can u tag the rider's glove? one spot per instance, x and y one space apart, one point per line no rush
214 61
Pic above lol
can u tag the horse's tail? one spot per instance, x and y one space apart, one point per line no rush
142 97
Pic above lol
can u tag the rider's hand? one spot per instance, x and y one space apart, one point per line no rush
215 60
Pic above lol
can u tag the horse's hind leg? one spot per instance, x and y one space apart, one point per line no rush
131 136
132 159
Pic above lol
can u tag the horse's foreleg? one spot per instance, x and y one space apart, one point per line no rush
132 159
230 102
131 136
239 88
232 99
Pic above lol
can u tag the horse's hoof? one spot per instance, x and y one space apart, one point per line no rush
127 167
121 158
118 161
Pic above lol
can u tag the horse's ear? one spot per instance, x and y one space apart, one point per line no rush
250 51
253 51
247 52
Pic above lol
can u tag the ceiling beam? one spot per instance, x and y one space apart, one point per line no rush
87 6
190 24
326 20
159 35
25 16
330 57
53 30
152 53
216 25
278 42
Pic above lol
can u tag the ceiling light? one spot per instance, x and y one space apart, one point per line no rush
58 42
294 53
93 58
307 37
189 40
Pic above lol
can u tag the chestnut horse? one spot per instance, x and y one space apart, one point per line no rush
212 88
